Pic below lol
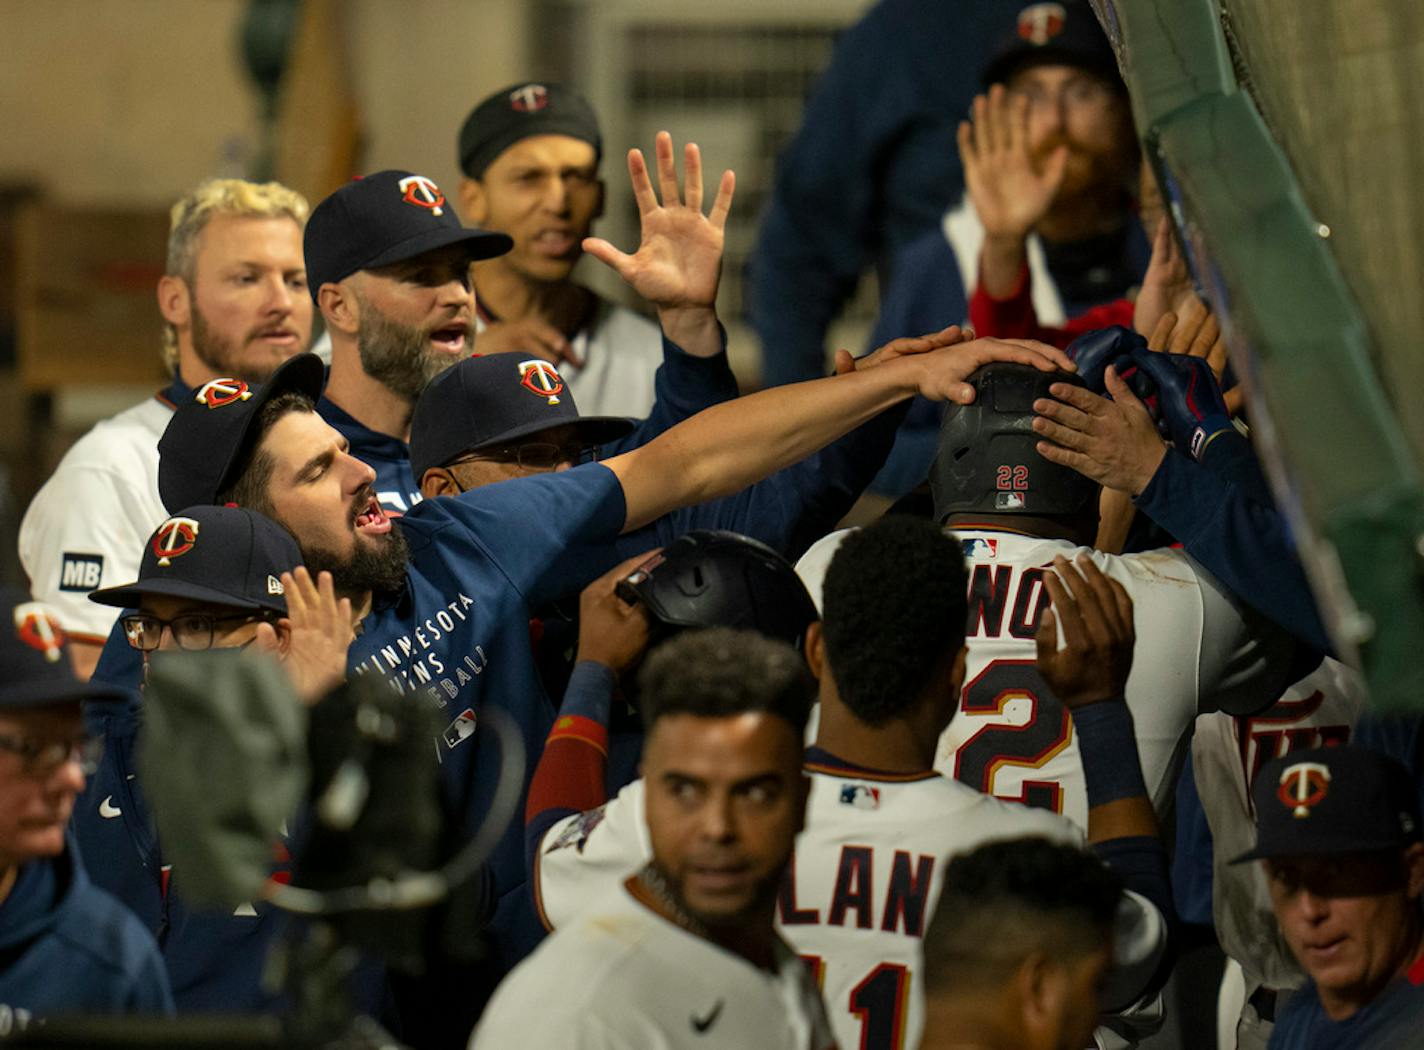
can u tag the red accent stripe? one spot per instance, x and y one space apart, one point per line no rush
861 774
1415 973
163 400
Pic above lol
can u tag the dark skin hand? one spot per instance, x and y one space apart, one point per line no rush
612 632
1111 440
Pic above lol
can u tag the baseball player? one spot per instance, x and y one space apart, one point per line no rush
445 593
530 154
683 951
67 946
880 822
1198 649
234 303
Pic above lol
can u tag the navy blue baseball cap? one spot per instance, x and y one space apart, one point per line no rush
1332 800
382 219
224 555
34 660
1060 34
520 111
488 401
205 444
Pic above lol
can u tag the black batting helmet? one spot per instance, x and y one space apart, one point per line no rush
712 578
987 461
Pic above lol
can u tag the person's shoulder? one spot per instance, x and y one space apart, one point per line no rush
1167 568
113 443
97 927
812 565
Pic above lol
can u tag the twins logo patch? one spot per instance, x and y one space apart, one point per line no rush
423 193
980 549
1303 786
460 730
539 377
174 538
530 98
860 796
36 626
221 392
1040 23
578 831
81 572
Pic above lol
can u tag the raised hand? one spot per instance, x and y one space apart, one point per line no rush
612 632
903 347
944 372
1167 285
1112 440
1010 193
1098 636
320 633
679 258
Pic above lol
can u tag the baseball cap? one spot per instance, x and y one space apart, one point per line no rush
224 555
381 219
1065 33
519 111
485 401
717 578
34 660
206 441
1332 800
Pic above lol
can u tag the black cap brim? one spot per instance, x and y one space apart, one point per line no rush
596 430
479 244
130 596
61 691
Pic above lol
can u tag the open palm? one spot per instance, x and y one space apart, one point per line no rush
1009 193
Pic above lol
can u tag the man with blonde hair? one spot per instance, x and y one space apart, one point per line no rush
234 303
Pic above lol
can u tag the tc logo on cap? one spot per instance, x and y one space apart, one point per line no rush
539 377
220 392
174 538
1040 23
529 99
1303 785
36 626
423 193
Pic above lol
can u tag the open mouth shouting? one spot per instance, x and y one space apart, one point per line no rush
453 338
368 517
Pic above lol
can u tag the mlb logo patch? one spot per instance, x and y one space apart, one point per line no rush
461 729
860 796
979 549
80 572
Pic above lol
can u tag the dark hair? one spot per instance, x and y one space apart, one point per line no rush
720 672
1008 899
893 609
249 489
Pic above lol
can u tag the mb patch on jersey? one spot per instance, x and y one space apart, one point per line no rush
860 796
461 729
578 831
80 572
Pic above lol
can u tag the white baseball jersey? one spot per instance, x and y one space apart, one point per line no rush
621 351
1013 739
622 976
1227 753
86 527
863 883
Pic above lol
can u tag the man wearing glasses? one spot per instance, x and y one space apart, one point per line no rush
211 577
66 946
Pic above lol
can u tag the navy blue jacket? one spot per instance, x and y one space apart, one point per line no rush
873 165
67 947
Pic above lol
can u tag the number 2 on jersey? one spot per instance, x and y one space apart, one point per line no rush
878 1000
1027 745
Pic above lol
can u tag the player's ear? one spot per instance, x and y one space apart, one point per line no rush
284 637
340 308
815 650
474 205
1040 987
174 300
437 481
956 675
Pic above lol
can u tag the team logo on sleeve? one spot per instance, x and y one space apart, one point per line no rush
860 796
80 572
539 377
219 392
174 538
36 626
1303 785
420 191
460 730
1040 23
530 98
578 831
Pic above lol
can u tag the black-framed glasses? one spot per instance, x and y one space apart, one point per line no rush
536 455
40 758
192 631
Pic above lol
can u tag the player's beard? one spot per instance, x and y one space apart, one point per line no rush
400 356
761 904
376 565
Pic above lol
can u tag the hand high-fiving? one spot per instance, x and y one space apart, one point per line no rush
1009 191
